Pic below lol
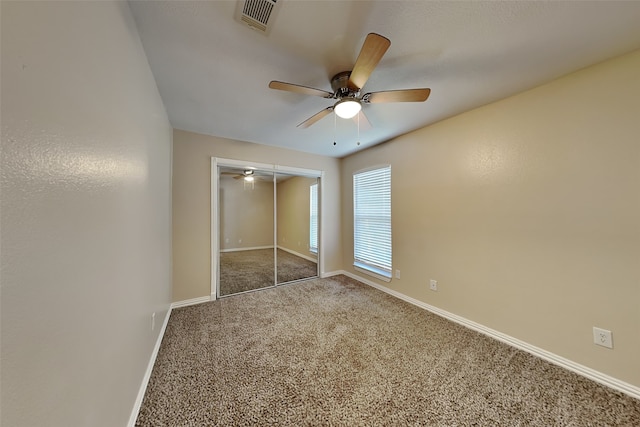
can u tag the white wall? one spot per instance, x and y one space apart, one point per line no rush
85 213
527 212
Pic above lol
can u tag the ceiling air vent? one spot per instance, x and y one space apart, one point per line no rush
257 14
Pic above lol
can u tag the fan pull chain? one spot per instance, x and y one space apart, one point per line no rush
358 129
334 128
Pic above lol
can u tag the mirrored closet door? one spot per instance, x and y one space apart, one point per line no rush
246 221
266 223
297 227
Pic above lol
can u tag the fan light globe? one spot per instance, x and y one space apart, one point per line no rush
347 108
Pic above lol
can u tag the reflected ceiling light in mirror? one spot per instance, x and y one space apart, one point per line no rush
248 178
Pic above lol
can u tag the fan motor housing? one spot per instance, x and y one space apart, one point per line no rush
340 85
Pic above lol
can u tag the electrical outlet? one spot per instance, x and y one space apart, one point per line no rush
433 285
239 240
602 337
153 321
226 240
397 274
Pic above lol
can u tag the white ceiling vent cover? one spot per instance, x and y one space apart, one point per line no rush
257 14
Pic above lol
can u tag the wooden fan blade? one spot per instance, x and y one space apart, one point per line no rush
364 123
233 175
304 90
372 51
406 95
311 120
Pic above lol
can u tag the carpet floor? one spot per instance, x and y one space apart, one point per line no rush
242 271
335 352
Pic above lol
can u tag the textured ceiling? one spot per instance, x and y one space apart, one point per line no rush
213 71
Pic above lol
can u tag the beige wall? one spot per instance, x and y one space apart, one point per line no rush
192 204
246 213
527 213
293 214
86 203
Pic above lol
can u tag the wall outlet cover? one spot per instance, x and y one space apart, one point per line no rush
602 337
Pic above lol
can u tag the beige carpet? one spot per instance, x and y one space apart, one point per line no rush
334 352
292 267
242 271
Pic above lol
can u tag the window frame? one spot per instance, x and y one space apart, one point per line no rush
313 219
372 260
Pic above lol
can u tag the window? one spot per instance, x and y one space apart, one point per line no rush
313 218
372 222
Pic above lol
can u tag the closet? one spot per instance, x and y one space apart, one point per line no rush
265 225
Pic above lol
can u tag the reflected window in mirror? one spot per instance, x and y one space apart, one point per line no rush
313 218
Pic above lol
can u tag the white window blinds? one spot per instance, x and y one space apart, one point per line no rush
372 221
313 218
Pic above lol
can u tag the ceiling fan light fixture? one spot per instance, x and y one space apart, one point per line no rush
347 108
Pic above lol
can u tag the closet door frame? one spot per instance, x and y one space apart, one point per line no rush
217 162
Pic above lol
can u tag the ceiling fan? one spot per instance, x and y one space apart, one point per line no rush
347 85
248 175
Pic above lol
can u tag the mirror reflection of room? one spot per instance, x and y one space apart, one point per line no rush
297 228
249 257
246 200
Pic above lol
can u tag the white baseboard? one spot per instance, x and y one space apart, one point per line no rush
579 369
147 374
192 301
307 257
334 273
253 248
